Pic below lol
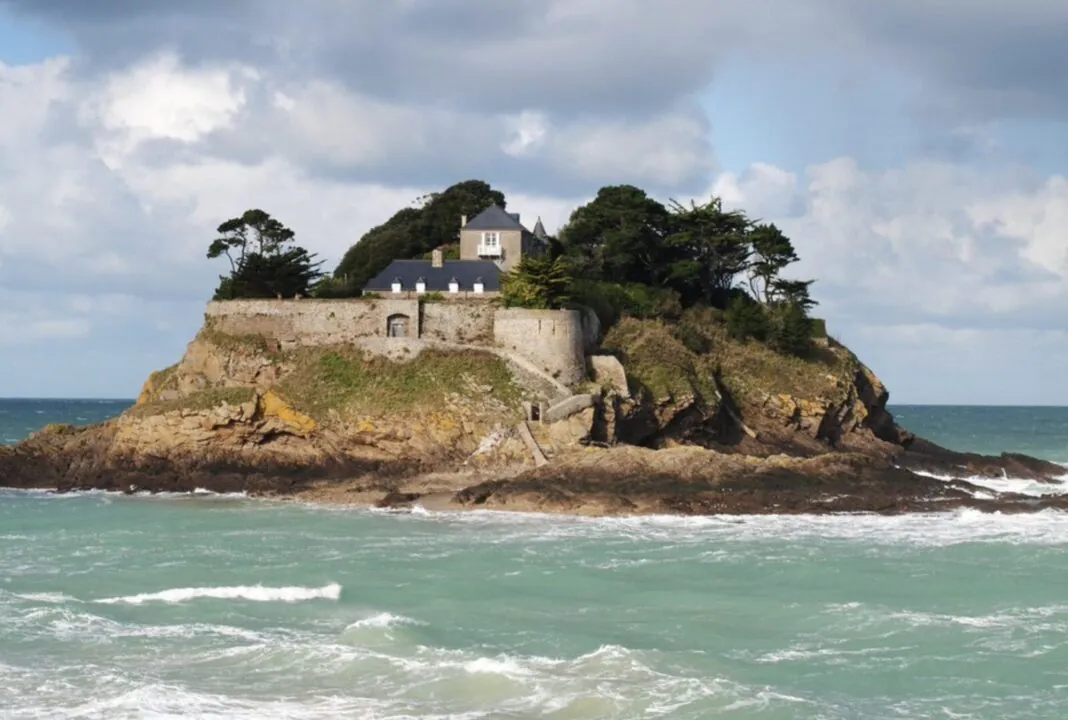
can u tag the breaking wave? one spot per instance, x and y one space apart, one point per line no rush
253 593
1007 484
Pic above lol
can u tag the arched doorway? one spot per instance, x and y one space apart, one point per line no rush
397 325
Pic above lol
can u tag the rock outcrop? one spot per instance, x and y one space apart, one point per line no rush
679 419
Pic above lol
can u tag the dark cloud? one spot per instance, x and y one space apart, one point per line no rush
978 58
471 54
567 57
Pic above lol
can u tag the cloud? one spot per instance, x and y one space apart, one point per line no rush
978 58
119 161
930 242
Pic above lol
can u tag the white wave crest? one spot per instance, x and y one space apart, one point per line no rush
254 593
933 529
383 620
1007 484
54 598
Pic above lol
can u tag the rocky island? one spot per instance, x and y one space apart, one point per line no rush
542 389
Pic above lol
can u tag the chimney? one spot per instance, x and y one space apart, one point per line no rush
436 258
463 221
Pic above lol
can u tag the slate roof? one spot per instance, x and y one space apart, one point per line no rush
495 218
437 279
539 230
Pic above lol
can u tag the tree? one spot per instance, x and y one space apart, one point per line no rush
772 252
711 247
264 261
793 292
538 282
414 231
619 236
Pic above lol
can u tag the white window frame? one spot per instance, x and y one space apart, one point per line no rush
491 239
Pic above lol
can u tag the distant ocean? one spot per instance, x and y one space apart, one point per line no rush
222 607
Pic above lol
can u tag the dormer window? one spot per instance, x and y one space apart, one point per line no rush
397 285
454 285
420 285
478 286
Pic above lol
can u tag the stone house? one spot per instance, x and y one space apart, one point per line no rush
491 243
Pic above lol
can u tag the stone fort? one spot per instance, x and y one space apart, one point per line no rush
552 343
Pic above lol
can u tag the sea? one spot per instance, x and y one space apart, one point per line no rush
204 606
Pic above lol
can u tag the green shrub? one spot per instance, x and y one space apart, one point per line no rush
791 331
746 318
432 297
333 287
693 339
612 301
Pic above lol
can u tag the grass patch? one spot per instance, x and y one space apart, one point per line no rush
674 359
344 380
657 362
752 369
195 402
252 343
160 379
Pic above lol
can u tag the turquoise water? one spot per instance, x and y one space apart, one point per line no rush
1037 431
215 607
19 418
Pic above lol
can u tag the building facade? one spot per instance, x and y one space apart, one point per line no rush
491 243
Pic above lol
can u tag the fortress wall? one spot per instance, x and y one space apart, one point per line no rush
466 322
308 322
552 339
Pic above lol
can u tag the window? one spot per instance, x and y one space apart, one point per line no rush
397 325
491 239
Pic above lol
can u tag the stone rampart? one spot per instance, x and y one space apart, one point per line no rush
551 339
466 322
310 322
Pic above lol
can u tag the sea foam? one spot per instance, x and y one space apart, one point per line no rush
1007 484
253 593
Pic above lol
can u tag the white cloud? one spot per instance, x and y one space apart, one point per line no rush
926 242
664 150
1038 219
527 133
27 96
160 99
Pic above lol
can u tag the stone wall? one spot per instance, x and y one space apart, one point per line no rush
551 339
309 322
467 322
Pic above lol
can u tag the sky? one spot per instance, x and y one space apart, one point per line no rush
914 151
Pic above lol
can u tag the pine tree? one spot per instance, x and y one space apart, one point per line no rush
538 283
